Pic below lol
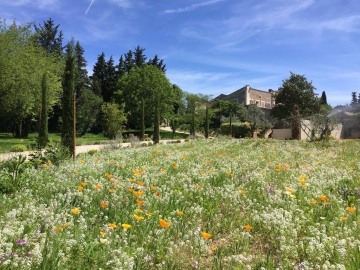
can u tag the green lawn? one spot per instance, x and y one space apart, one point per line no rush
7 140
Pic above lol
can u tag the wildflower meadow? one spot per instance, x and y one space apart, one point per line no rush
205 204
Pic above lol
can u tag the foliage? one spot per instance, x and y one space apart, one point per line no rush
230 109
295 90
67 128
49 37
321 125
256 118
18 148
23 64
174 124
43 118
87 110
113 119
354 99
296 123
149 88
53 154
10 172
323 99
239 129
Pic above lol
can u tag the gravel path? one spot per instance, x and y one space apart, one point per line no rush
79 149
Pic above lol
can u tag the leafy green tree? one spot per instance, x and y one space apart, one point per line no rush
230 109
67 128
174 124
49 37
149 88
193 106
295 90
43 118
23 64
257 119
321 125
88 109
113 119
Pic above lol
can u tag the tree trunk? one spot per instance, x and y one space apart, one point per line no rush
207 122
142 129
230 126
296 123
157 124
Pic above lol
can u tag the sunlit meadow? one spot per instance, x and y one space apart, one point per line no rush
217 204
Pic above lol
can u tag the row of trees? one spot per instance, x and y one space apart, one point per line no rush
41 78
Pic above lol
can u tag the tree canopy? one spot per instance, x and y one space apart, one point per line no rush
295 90
23 64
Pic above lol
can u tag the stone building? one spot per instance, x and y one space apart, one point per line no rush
247 95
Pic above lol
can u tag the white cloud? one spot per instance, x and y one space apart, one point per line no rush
193 6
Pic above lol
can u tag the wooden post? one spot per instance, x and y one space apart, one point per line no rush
74 128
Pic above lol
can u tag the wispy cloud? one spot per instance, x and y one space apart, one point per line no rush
344 24
193 6
35 3
121 3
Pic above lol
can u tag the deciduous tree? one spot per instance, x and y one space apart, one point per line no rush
295 90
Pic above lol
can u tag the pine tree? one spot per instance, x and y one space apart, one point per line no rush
67 131
99 74
49 37
120 68
159 63
43 119
82 81
110 82
139 57
128 62
354 99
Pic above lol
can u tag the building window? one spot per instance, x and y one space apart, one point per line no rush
257 103
252 101
263 104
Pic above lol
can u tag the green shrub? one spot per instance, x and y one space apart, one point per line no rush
18 148
148 139
239 129
92 152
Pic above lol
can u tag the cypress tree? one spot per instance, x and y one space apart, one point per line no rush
43 119
323 99
67 131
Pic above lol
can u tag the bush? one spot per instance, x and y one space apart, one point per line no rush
239 129
148 139
92 152
18 148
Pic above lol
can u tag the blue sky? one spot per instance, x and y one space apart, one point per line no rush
217 46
